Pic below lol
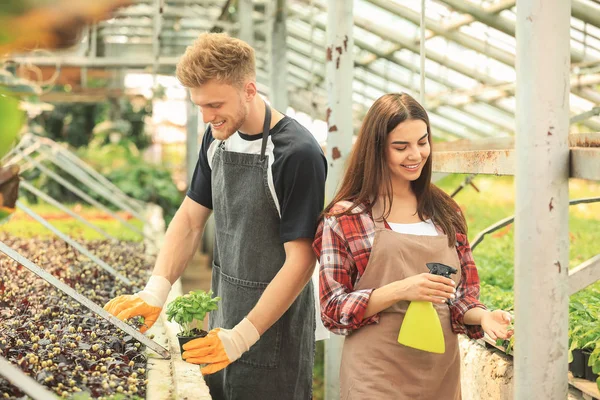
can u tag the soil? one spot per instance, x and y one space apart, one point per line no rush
55 340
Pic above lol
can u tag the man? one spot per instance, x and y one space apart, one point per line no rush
263 176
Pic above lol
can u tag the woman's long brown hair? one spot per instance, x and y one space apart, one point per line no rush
367 174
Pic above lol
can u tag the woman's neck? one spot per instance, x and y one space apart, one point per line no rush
402 190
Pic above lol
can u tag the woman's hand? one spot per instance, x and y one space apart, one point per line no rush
495 324
426 287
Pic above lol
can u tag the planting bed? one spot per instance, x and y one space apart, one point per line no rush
54 339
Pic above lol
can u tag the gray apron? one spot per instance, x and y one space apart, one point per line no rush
248 254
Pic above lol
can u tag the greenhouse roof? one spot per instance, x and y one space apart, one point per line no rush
470 54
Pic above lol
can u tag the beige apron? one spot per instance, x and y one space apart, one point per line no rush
374 365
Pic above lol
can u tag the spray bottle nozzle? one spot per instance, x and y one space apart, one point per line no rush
441 269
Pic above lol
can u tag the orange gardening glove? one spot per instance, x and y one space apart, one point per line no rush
221 347
148 303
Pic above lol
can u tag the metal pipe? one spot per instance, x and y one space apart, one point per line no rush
78 163
245 15
584 274
277 55
509 220
24 382
90 183
32 189
191 144
83 195
73 243
542 195
422 56
339 75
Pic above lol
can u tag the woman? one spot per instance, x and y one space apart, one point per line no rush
385 223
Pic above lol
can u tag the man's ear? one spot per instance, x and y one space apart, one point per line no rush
250 90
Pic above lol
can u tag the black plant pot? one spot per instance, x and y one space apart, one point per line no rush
577 366
184 339
589 373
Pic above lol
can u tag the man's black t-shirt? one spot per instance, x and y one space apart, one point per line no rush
296 174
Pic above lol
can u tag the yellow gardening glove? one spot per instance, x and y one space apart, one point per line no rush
148 303
221 347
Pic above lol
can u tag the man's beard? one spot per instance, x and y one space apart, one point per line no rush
236 124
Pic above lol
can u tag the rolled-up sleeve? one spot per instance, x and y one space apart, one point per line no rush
342 308
467 291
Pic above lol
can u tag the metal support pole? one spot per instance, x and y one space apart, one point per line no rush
422 56
191 147
156 31
278 56
542 195
245 13
339 76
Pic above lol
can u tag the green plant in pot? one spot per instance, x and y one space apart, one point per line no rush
189 311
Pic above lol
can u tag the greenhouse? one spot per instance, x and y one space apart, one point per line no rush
157 217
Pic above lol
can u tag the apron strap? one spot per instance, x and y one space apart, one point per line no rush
266 129
377 213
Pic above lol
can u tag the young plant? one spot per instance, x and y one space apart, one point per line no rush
508 344
191 307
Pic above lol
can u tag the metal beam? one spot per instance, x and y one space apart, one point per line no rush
38 193
158 9
24 382
191 143
339 73
295 71
585 162
106 62
584 275
73 243
463 39
245 11
408 44
391 78
586 11
509 220
498 22
277 48
362 80
542 198
493 93
508 143
493 162
495 21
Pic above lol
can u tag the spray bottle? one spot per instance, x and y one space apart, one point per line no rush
422 328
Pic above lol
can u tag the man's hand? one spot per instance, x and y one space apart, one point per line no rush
148 303
221 347
495 324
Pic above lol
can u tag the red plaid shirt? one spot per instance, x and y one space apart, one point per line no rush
343 245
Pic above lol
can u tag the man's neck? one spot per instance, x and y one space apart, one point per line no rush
256 117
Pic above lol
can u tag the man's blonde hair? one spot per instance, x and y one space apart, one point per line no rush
219 57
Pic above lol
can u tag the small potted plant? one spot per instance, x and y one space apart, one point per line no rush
189 310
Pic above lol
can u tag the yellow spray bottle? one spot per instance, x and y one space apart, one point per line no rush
421 328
